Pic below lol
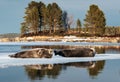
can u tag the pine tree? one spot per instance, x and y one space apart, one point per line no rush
32 17
39 17
23 28
79 25
50 18
42 14
55 21
65 20
57 18
34 20
95 17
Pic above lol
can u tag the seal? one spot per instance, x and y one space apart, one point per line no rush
79 52
34 53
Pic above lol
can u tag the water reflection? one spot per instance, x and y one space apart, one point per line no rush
99 66
40 71
53 71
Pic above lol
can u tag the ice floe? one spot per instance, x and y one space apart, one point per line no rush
6 61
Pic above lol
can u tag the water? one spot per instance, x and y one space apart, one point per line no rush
104 68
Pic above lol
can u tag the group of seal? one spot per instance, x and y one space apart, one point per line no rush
48 53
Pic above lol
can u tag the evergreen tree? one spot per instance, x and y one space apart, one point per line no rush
42 14
57 18
50 17
32 17
39 17
34 20
23 28
79 25
55 21
65 20
95 17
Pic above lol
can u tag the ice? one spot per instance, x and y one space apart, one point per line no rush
60 43
6 61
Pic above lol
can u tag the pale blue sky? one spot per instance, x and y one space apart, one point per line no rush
12 11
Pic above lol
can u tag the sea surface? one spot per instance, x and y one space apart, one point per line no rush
104 67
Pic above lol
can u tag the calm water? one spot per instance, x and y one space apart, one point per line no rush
97 71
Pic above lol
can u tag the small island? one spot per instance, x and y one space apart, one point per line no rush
48 22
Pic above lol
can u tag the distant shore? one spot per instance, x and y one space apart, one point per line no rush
63 39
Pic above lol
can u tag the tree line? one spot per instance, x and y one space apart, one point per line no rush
42 19
9 35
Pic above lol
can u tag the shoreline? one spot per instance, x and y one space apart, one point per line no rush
62 39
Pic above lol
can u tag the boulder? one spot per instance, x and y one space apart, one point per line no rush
34 53
79 52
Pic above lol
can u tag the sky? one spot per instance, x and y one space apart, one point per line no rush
12 11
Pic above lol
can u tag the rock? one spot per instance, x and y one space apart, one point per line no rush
80 52
34 53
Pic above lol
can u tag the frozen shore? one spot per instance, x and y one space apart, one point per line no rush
63 39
